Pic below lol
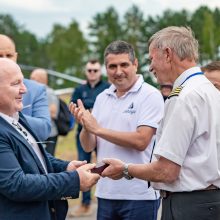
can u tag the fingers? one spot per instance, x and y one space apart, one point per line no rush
80 104
112 161
114 170
77 112
88 167
87 179
78 163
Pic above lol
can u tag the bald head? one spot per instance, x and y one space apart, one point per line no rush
7 48
40 75
7 67
11 87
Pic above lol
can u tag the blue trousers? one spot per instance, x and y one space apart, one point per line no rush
82 155
127 209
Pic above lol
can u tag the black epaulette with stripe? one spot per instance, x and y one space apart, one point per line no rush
175 92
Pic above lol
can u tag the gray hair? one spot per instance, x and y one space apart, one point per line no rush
180 39
120 47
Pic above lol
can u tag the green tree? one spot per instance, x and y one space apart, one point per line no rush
8 26
104 28
135 32
172 18
202 25
66 48
216 17
27 45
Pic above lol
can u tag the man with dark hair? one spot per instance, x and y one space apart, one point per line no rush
212 72
122 125
87 93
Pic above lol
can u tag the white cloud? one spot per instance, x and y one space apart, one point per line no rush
32 5
38 16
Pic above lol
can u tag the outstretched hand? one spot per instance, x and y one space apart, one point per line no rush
114 170
87 179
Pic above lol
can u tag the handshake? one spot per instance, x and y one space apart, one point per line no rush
89 174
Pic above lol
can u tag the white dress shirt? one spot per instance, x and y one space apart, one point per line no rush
189 134
13 121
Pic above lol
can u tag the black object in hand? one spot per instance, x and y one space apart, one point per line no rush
99 168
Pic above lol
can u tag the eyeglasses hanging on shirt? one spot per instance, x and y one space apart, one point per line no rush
19 128
16 124
31 140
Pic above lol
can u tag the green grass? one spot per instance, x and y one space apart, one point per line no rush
66 146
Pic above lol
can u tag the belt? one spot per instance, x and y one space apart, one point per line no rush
164 194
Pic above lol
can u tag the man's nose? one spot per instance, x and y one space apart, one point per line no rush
23 88
118 70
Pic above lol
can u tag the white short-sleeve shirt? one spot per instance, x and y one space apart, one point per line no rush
189 134
141 105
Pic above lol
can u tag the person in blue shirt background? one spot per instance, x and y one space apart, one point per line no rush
35 102
88 93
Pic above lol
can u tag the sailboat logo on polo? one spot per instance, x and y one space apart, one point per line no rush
130 109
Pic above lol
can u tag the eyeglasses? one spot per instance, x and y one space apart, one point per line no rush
92 70
19 128
26 135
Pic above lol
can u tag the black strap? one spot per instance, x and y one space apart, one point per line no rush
151 159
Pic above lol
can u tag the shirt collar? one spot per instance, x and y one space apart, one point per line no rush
9 119
184 75
134 88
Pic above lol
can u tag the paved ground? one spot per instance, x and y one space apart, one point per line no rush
93 217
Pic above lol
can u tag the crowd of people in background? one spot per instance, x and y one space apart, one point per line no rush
161 145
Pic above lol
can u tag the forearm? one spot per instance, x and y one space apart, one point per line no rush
43 187
158 171
88 140
58 165
138 139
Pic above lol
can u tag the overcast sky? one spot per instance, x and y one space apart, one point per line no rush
38 16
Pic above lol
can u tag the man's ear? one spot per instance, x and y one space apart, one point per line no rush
136 63
168 54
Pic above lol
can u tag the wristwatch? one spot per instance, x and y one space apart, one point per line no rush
125 172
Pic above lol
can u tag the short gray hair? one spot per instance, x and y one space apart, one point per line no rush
120 47
180 39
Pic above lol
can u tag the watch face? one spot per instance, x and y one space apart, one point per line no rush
125 173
